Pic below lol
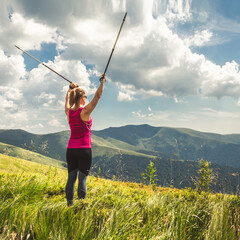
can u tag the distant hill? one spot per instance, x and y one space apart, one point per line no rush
51 145
139 140
179 143
13 151
55 144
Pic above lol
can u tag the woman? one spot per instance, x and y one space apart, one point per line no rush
79 152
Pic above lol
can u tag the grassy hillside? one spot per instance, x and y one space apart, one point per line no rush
127 165
14 151
108 146
33 206
13 165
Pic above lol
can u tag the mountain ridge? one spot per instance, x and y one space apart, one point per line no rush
144 140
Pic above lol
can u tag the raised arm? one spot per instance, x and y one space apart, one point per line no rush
87 110
67 101
67 104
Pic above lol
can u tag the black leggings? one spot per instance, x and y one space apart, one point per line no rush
79 162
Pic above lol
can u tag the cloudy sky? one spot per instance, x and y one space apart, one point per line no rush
176 62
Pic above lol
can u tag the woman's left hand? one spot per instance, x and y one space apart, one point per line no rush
103 78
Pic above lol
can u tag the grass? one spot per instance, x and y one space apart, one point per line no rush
18 152
33 206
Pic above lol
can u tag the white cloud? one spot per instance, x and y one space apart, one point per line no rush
9 98
11 68
61 104
33 127
123 96
139 114
173 10
164 63
11 93
126 92
55 123
39 92
25 33
156 116
43 88
46 99
46 96
7 104
177 100
199 38
12 117
221 81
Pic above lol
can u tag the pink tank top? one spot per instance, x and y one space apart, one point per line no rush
80 130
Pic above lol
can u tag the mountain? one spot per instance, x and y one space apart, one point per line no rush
179 143
51 145
138 140
54 144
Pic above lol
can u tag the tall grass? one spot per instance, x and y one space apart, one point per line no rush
33 206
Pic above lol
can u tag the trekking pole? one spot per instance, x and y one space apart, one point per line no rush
43 64
114 46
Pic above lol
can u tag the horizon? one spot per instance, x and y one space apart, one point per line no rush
134 125
176 63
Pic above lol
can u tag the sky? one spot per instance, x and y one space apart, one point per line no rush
176 63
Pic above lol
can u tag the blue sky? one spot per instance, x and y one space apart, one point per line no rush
176 63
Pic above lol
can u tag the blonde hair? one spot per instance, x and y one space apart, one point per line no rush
75 96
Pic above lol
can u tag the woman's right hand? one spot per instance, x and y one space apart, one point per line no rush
73 85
